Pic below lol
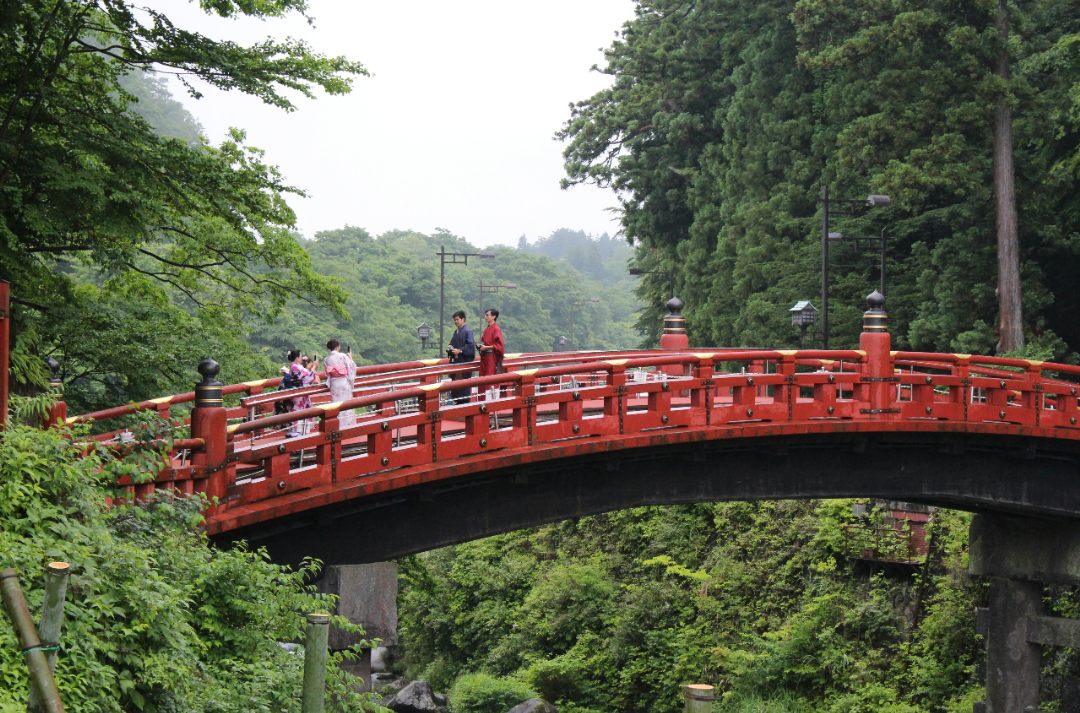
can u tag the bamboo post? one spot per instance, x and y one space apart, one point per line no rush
315 662
40 675
5 348
699 697
52 620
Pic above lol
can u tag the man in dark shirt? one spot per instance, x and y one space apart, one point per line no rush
462 350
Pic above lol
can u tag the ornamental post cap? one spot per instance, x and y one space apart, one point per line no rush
674 305
209 368
874 318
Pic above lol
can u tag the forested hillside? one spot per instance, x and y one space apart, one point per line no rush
604 258
393 285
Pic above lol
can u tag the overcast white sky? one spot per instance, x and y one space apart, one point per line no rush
454 129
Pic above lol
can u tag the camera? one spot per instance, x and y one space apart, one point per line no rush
346 348
450 352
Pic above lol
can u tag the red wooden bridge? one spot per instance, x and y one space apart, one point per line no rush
568 434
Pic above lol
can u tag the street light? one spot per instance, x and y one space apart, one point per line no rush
803 316
874 200
490 289
424 332
446 258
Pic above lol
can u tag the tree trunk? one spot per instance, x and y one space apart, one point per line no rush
1010 308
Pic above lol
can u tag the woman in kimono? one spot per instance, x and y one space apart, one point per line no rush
304 373
340 375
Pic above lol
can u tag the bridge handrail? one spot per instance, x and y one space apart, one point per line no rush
429 370
657 358
264 391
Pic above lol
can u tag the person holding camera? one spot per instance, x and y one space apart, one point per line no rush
461 350
301 372
340 375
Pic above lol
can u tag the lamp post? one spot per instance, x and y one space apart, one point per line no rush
803 316
490 289
424 332
445 259
871 201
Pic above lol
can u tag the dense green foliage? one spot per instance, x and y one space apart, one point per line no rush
614 612
156 618
726 118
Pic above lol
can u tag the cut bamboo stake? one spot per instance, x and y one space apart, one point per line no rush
52 620
315 662
40 675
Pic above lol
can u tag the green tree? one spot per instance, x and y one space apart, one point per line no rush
103 180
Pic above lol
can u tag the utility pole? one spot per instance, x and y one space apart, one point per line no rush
451 258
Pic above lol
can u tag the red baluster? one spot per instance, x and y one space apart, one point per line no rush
878 382
208 423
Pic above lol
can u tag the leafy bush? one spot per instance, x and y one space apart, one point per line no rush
564 679
156 619
483 693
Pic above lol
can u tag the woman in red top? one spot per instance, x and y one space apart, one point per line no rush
491 345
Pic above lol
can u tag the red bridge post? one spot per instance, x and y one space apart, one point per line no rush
208 423
878 382
674 335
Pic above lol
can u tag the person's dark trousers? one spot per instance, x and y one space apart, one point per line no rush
460 396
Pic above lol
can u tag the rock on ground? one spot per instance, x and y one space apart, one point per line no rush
417 697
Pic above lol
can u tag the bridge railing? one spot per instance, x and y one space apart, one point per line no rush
253 399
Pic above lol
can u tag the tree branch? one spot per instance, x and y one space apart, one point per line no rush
182 266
